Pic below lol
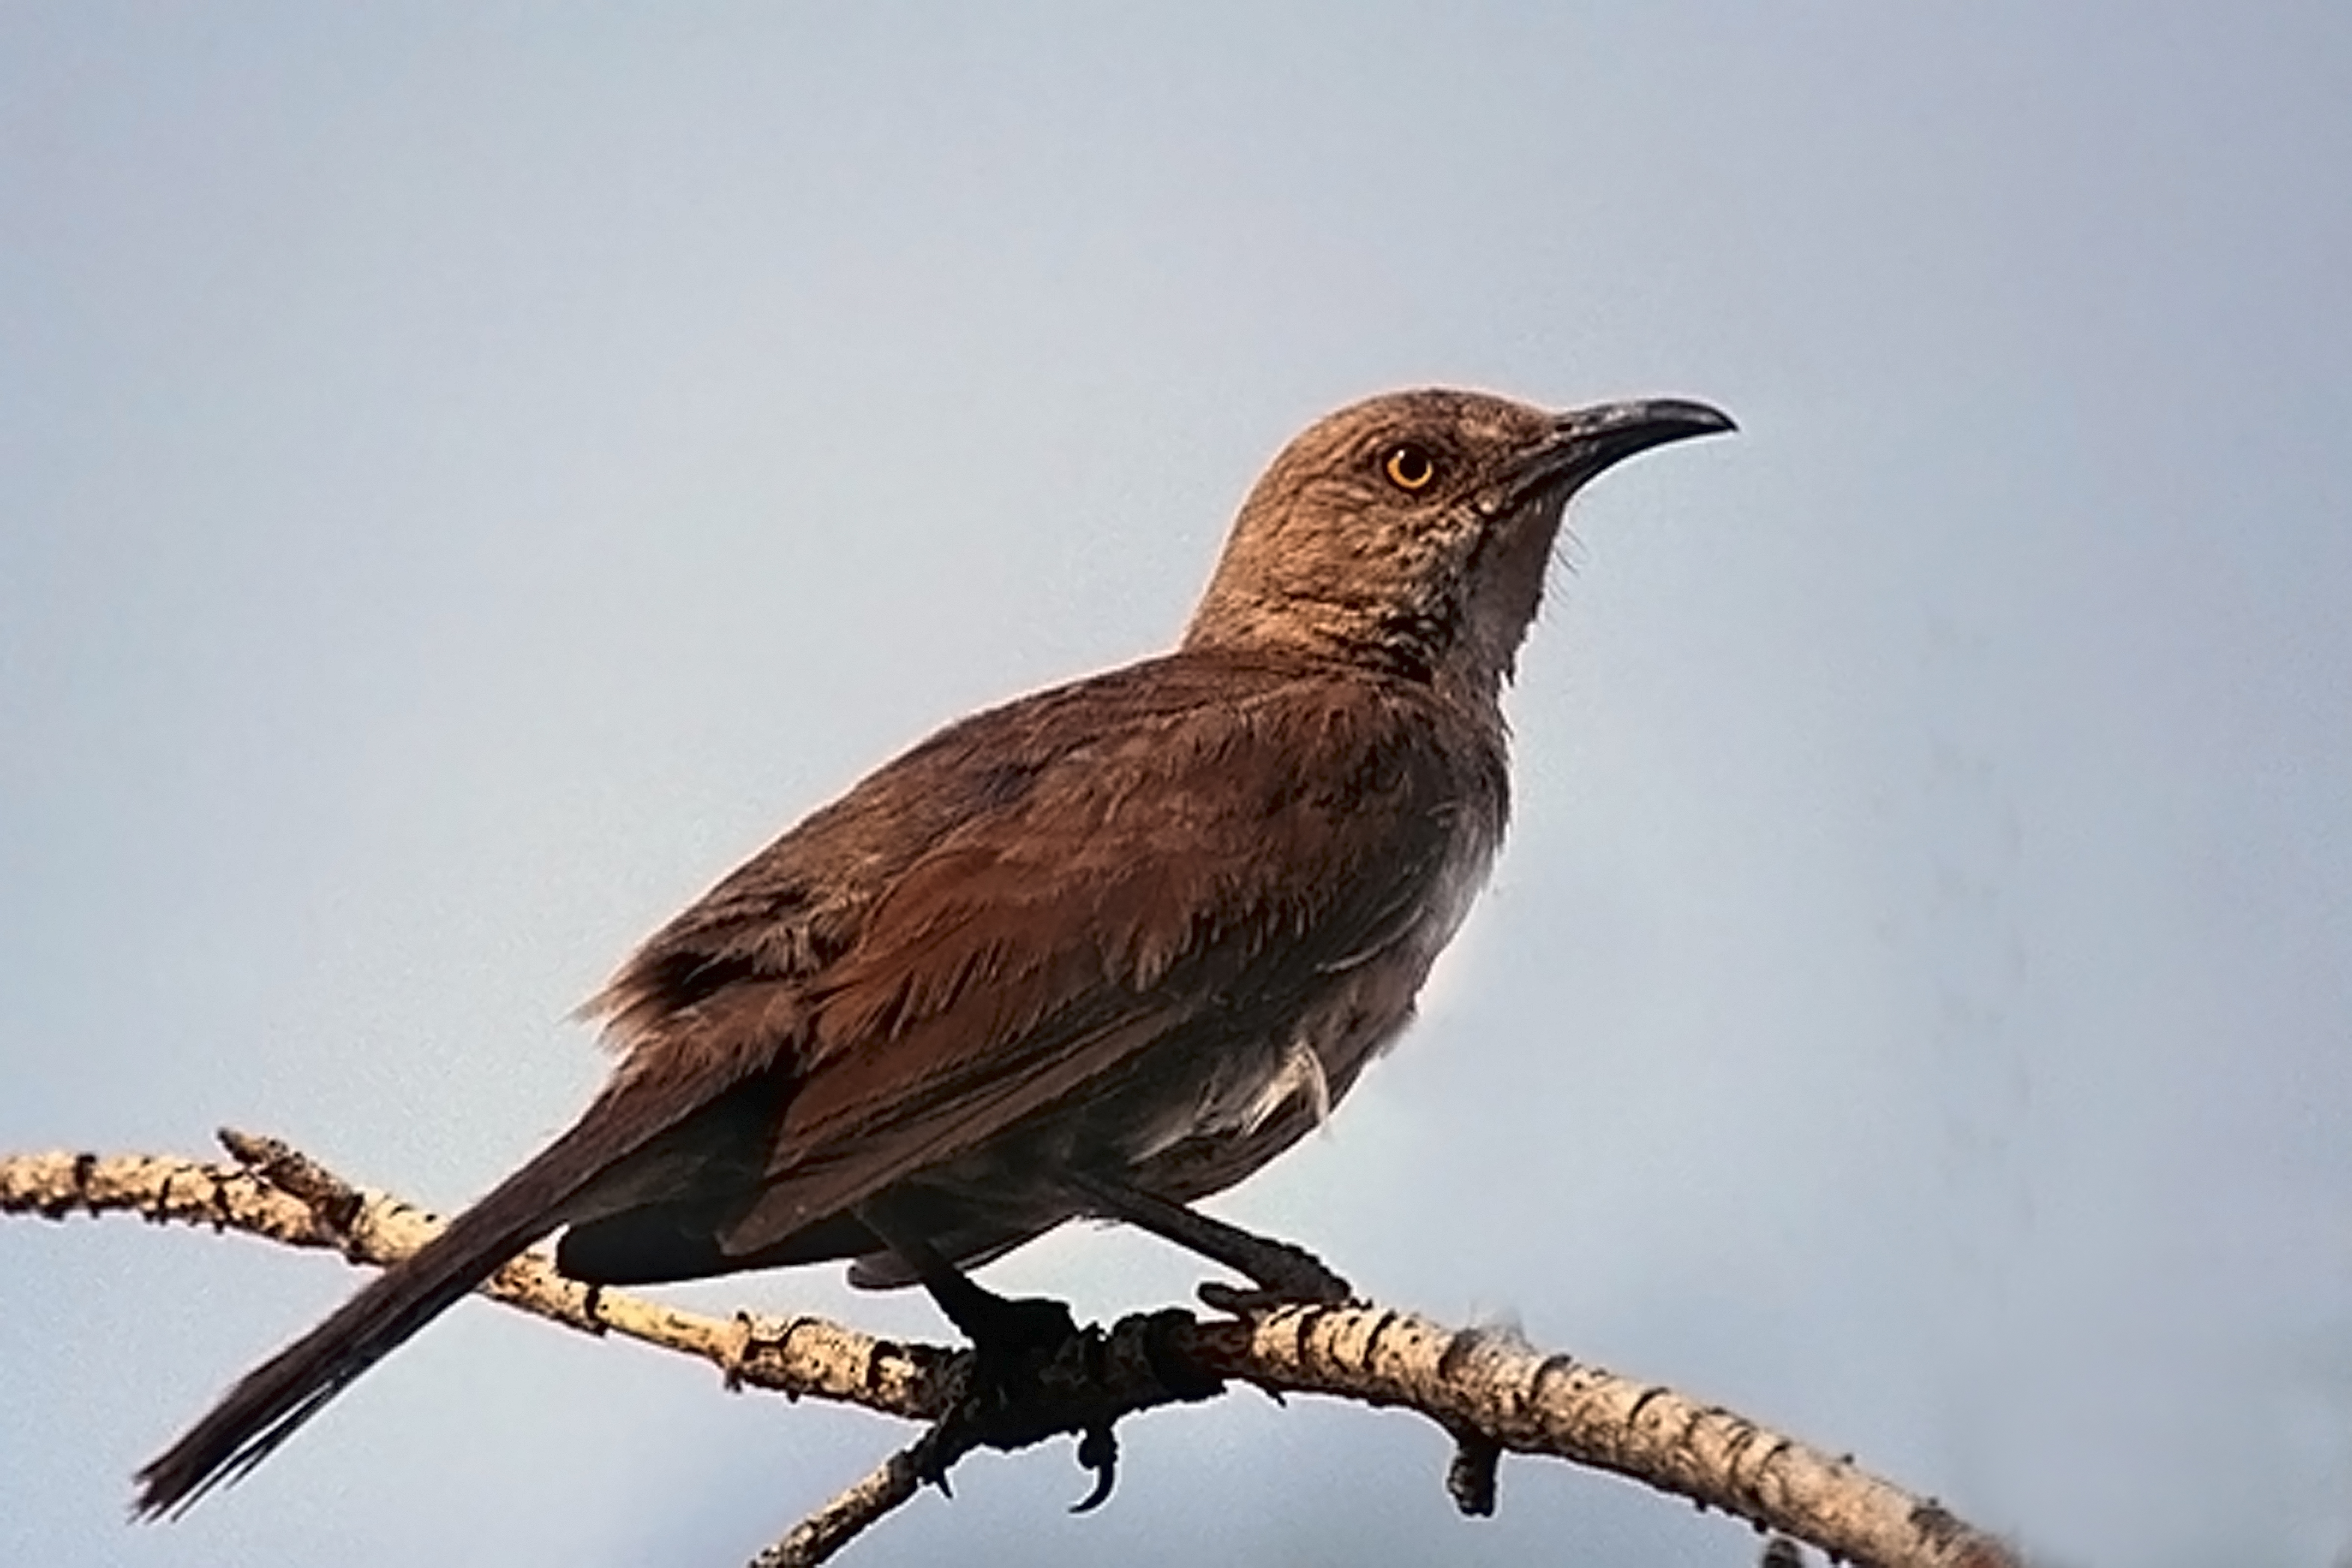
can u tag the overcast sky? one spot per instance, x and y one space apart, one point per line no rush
470 474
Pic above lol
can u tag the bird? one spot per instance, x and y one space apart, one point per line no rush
1097 952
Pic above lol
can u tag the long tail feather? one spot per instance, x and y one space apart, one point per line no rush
272 1402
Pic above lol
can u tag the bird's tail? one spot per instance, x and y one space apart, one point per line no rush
271 1402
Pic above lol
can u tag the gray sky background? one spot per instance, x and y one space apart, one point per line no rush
467 475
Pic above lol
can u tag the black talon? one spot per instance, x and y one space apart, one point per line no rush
1098 1452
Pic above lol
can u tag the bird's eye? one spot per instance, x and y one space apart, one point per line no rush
1408 466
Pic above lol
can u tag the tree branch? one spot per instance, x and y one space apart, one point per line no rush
1490 1391
893 1484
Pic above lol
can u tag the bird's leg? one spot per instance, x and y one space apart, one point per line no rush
1001 1327
1005 1331
1283 1273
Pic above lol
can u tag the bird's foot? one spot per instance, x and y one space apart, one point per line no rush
1014 1339
1016 1343
1285 1275
1013 1329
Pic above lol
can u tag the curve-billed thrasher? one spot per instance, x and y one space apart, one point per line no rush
1099 951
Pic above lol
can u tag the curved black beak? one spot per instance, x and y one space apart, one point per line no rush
1585 441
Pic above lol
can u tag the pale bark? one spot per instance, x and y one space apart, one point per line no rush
1493 1392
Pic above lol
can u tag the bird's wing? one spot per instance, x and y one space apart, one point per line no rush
1140 864
778 924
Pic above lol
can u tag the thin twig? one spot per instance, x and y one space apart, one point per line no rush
859 1507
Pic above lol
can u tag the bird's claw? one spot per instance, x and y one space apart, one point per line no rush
1301 1281
1098 1452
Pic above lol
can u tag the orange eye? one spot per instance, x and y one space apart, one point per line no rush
1408 466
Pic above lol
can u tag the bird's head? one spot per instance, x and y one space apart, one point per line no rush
1412 531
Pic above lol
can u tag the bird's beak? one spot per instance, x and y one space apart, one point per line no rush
1584 441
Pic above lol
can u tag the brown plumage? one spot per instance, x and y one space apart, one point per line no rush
1101 951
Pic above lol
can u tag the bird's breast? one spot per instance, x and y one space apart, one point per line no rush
1304 1066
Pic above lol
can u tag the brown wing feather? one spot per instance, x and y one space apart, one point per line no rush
794 908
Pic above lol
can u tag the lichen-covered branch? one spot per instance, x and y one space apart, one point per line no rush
1527 1401
1493 1392
275 1193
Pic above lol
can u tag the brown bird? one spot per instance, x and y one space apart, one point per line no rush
1101 951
